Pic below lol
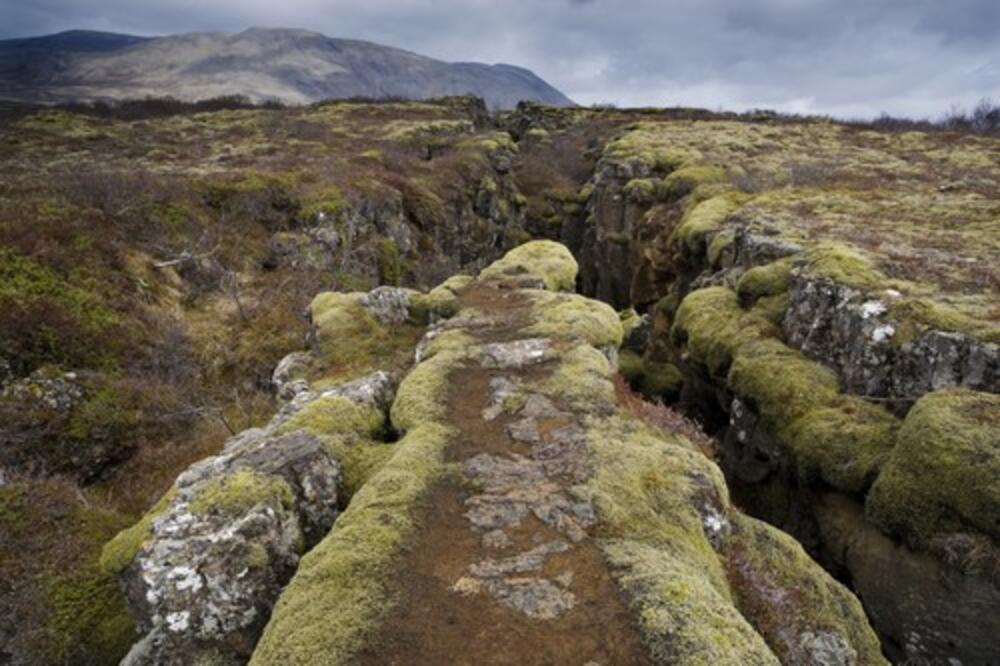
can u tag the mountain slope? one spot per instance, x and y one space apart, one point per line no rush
294 66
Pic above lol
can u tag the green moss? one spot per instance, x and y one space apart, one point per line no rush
843 264
422 394
440 302
767 280
782 384
703 219
546 260
944 474
63 123
645 489
122 549
90 621
572 317
352 342
843 444
348 431
641 190
342 589
785 595
680 182
235 494
51 318
651 379
66 608
390 265
914 316
771 308
715 327
721 242
328 203
582 380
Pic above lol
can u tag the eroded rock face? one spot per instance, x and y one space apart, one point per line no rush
852 331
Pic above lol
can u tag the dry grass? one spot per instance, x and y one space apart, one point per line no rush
663 418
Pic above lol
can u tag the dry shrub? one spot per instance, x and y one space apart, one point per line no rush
664 418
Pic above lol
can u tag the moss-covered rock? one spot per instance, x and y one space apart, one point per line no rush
944 474
805 615
234 494
714 327
349 431
763 281
351 341
547 261
572 317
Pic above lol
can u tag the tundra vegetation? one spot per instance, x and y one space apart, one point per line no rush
821 297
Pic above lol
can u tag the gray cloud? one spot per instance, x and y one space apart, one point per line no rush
845 57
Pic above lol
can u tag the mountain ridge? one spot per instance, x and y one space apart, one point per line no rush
290 65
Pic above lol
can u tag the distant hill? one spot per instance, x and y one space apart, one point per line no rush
293 66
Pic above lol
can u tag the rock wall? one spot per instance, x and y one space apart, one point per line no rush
781 343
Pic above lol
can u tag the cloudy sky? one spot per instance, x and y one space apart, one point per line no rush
851 58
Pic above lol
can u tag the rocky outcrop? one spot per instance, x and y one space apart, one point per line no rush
854 331
203 568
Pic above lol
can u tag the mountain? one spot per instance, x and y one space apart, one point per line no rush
293 66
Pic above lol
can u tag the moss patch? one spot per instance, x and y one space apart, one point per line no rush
548 261
572 317
786 595
340 591
235 494
352 342
122 549
944 474
348 432
645 490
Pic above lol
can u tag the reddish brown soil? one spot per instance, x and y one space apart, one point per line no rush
433 624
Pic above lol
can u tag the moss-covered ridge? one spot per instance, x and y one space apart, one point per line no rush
842 440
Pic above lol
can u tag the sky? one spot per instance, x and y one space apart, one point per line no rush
847 58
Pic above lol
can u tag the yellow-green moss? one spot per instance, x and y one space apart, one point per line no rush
702 219
843 264
944 474
582 380
767 280
328 203
440 302
914 316
122 549
352 342
546 260
782 384
785 594
348 431
572 317
422 394
650 378
843 444
721 242
342 588
715 327
645 490
685 179
641 190
236 493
